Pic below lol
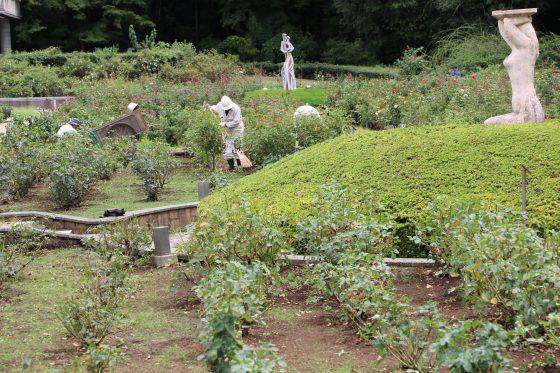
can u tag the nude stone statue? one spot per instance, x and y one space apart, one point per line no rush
518 32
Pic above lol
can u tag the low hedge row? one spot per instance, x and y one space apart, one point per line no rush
408 168
318 70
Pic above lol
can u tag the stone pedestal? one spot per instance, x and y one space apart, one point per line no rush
162 248
517 30
203 189
5 36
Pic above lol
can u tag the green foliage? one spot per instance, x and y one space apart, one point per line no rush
19 246
407 336
504 264
341 219
94 310
470 47
72 172
549 49
123 148
33 81
363 287
266 143
237 232
454 348
230 307
313 70
413 62
5 112
22 163
97 359
203 138
122 237
408 168
311 130
155 165
238 45
133 39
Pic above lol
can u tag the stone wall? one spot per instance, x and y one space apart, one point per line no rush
172 216
51 103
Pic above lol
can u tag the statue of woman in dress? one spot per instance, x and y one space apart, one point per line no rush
288 75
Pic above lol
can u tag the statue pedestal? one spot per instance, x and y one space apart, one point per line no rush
501 14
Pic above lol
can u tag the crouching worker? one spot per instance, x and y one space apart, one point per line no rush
232 122
70 127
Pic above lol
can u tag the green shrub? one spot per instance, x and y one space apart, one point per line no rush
122 237
155 166
203 137
455 349
342 219
19 246
94 310
236 232
72 172
33 81
230 307
313 70
5 112
97 359
265 144
504 264
413 62
22 158
123 148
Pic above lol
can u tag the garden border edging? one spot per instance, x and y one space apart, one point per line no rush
172 215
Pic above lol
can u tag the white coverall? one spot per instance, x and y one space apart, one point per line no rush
234 128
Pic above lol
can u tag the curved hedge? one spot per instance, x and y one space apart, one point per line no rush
410 167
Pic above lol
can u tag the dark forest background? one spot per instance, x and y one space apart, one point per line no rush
335 31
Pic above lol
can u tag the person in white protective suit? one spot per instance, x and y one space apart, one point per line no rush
232 122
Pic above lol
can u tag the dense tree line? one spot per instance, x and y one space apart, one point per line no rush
339 31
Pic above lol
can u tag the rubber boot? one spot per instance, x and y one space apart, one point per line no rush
231 165
239 162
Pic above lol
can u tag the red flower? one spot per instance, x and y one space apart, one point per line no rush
473 75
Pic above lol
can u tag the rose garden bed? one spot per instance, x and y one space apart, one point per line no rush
162 327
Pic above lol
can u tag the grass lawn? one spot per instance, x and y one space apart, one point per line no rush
311 96
122 191
23 111
156 337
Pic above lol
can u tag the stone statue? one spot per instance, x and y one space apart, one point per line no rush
518 32
288 75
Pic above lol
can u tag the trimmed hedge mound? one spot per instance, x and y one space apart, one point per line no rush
410 167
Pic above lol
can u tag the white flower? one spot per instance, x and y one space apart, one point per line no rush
308 86
265 89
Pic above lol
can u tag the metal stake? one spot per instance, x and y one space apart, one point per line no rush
524 171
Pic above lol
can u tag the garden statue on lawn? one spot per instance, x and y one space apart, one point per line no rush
304 111
70 127
288 75
517 30
232 122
